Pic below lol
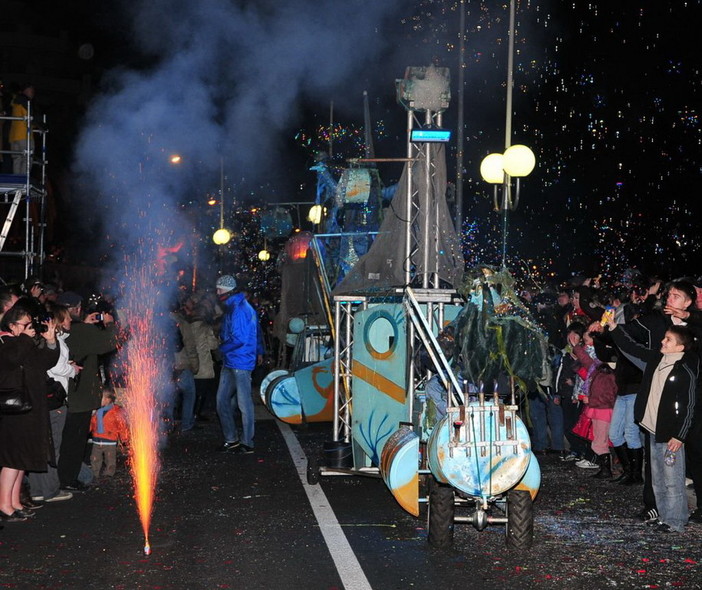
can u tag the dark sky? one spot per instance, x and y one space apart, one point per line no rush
606 94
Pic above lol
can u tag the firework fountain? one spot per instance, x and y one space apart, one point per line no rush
144 382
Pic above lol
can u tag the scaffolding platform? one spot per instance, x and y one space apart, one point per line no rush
25 194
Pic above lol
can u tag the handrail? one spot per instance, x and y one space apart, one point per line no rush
431 344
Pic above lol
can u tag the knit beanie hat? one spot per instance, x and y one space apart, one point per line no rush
226 283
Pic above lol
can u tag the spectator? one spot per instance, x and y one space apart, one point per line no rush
566 378
87 341
108 428
24 438
599 395
7 299
21 159
239 348
200 313
45 487
665 408
649 330
186 365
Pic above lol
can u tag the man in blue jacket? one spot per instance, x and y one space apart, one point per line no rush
239 348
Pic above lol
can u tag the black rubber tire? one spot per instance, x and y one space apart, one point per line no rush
441 514
520 520
312 471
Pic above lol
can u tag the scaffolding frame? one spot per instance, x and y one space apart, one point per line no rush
19 191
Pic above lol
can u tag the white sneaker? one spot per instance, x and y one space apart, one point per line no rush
37 498
62 495
586 464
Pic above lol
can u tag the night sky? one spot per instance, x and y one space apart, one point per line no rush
606 94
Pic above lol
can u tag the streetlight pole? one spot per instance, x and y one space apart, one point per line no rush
506 187
517 160
459 130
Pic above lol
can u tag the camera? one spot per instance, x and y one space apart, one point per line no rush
99 317
39 322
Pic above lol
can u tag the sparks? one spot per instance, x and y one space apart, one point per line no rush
141 401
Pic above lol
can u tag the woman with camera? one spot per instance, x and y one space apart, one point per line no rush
25 444
45 486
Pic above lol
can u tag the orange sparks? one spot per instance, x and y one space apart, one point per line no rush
144 381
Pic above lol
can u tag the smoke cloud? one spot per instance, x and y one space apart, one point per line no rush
224 79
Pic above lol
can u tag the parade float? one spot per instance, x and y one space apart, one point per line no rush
427 364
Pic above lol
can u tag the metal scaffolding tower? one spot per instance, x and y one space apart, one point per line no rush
25 193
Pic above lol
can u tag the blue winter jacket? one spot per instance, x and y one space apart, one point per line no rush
239 334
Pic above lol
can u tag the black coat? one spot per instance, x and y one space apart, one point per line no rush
679 396
25 439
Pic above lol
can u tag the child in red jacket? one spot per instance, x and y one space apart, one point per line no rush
601 392
108 427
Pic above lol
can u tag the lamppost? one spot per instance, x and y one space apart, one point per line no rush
222 235
517 160
499 169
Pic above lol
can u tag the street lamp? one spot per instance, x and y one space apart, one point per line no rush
518 160
222 235
498 169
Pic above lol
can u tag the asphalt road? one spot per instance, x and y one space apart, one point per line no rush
249 521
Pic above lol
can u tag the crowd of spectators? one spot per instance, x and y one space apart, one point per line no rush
60 346
624 401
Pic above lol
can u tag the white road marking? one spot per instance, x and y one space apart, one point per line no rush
347 565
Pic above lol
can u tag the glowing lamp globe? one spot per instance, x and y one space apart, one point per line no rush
491 169
519 160
264 255
221 236
315 214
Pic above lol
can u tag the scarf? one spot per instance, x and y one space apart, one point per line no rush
100 415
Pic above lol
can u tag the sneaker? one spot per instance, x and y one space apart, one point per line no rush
571 457
586 464
229 447
14 517
649 517
60 497
245 450
696 516
37 498
661 527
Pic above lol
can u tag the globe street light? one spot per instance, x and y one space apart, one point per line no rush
499 169
222 235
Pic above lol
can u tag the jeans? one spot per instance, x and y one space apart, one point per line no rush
623 429
235 391
186 384
545 413
47 483
669 486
